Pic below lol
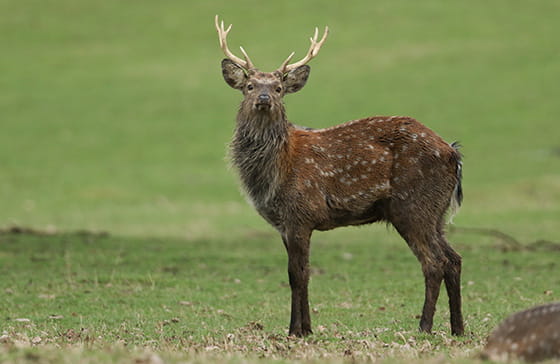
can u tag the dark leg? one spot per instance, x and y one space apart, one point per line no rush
298 273
452 278
433 275
421 236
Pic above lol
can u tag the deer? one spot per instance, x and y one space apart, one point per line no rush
531 335
389 169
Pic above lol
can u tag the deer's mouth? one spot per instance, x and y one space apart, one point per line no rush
263 106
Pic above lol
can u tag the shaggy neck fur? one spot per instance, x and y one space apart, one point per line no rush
260 139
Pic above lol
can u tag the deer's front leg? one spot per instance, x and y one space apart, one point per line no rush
297 245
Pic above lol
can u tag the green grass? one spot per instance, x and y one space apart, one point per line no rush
95 294
114 118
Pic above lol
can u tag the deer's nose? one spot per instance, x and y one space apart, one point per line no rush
264 98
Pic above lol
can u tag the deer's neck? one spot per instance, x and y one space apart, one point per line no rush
258 144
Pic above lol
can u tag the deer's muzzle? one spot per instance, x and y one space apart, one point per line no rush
263 102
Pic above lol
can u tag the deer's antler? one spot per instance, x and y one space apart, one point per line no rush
313 51
222 34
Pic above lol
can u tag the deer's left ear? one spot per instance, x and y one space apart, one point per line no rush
296 79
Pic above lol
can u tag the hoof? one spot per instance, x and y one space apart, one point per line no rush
300 332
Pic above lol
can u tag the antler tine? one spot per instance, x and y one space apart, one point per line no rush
311 53
222 34
283 65
247 59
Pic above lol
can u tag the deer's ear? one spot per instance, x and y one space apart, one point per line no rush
234 75
296 79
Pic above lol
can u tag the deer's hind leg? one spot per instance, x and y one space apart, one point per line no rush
452 278
419 230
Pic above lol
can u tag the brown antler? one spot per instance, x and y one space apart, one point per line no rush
313 51
222 34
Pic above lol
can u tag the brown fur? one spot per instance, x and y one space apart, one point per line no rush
381 168
531 335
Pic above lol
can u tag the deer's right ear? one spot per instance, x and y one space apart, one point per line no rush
234 75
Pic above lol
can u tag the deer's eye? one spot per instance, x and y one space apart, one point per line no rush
250 87
278 89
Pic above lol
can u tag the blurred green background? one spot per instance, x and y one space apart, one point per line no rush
114 115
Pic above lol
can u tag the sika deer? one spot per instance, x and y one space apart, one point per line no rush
381 168
531 335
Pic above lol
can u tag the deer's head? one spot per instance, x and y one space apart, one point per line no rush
263 91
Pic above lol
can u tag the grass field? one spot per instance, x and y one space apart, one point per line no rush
136 244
